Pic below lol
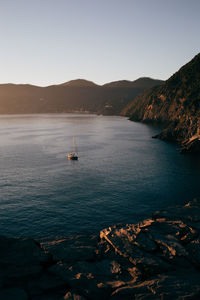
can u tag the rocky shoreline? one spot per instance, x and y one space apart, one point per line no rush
158 258
190 145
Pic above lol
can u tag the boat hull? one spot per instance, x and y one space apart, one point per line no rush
72 157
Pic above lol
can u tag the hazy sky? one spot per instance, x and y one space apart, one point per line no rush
47 42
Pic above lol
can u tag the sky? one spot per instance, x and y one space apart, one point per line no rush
44 42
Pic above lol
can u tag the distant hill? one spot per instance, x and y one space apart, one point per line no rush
143 83
79 83
73 96
176 103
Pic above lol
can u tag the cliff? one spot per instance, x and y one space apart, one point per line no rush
158 258
176 104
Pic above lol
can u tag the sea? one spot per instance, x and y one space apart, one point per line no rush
122 174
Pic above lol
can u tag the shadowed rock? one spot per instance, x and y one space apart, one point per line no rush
13 293
73 248
21 258
191 146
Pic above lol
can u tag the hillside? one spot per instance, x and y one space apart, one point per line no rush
176 104
79 83
74 96
143 83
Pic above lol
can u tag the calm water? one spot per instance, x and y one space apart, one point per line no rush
122 174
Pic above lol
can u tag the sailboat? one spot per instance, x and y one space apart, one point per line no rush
74 154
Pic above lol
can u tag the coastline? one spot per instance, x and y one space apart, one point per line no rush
158 258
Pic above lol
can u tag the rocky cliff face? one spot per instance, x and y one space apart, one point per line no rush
176 103
158 258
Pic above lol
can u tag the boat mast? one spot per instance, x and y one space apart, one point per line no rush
74 145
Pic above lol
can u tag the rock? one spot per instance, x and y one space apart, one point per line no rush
158 258
72 249
145 242
138 243
133 291
59 270
20 258
121 238
151 265
166 236
70 296
172 285
159 245
90 279
187 213
13 294
193 249
47 296
191 146
46 283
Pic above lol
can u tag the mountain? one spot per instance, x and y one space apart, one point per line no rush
73 96
79 83
175 104
142 83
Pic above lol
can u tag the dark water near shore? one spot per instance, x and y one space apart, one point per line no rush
122 174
